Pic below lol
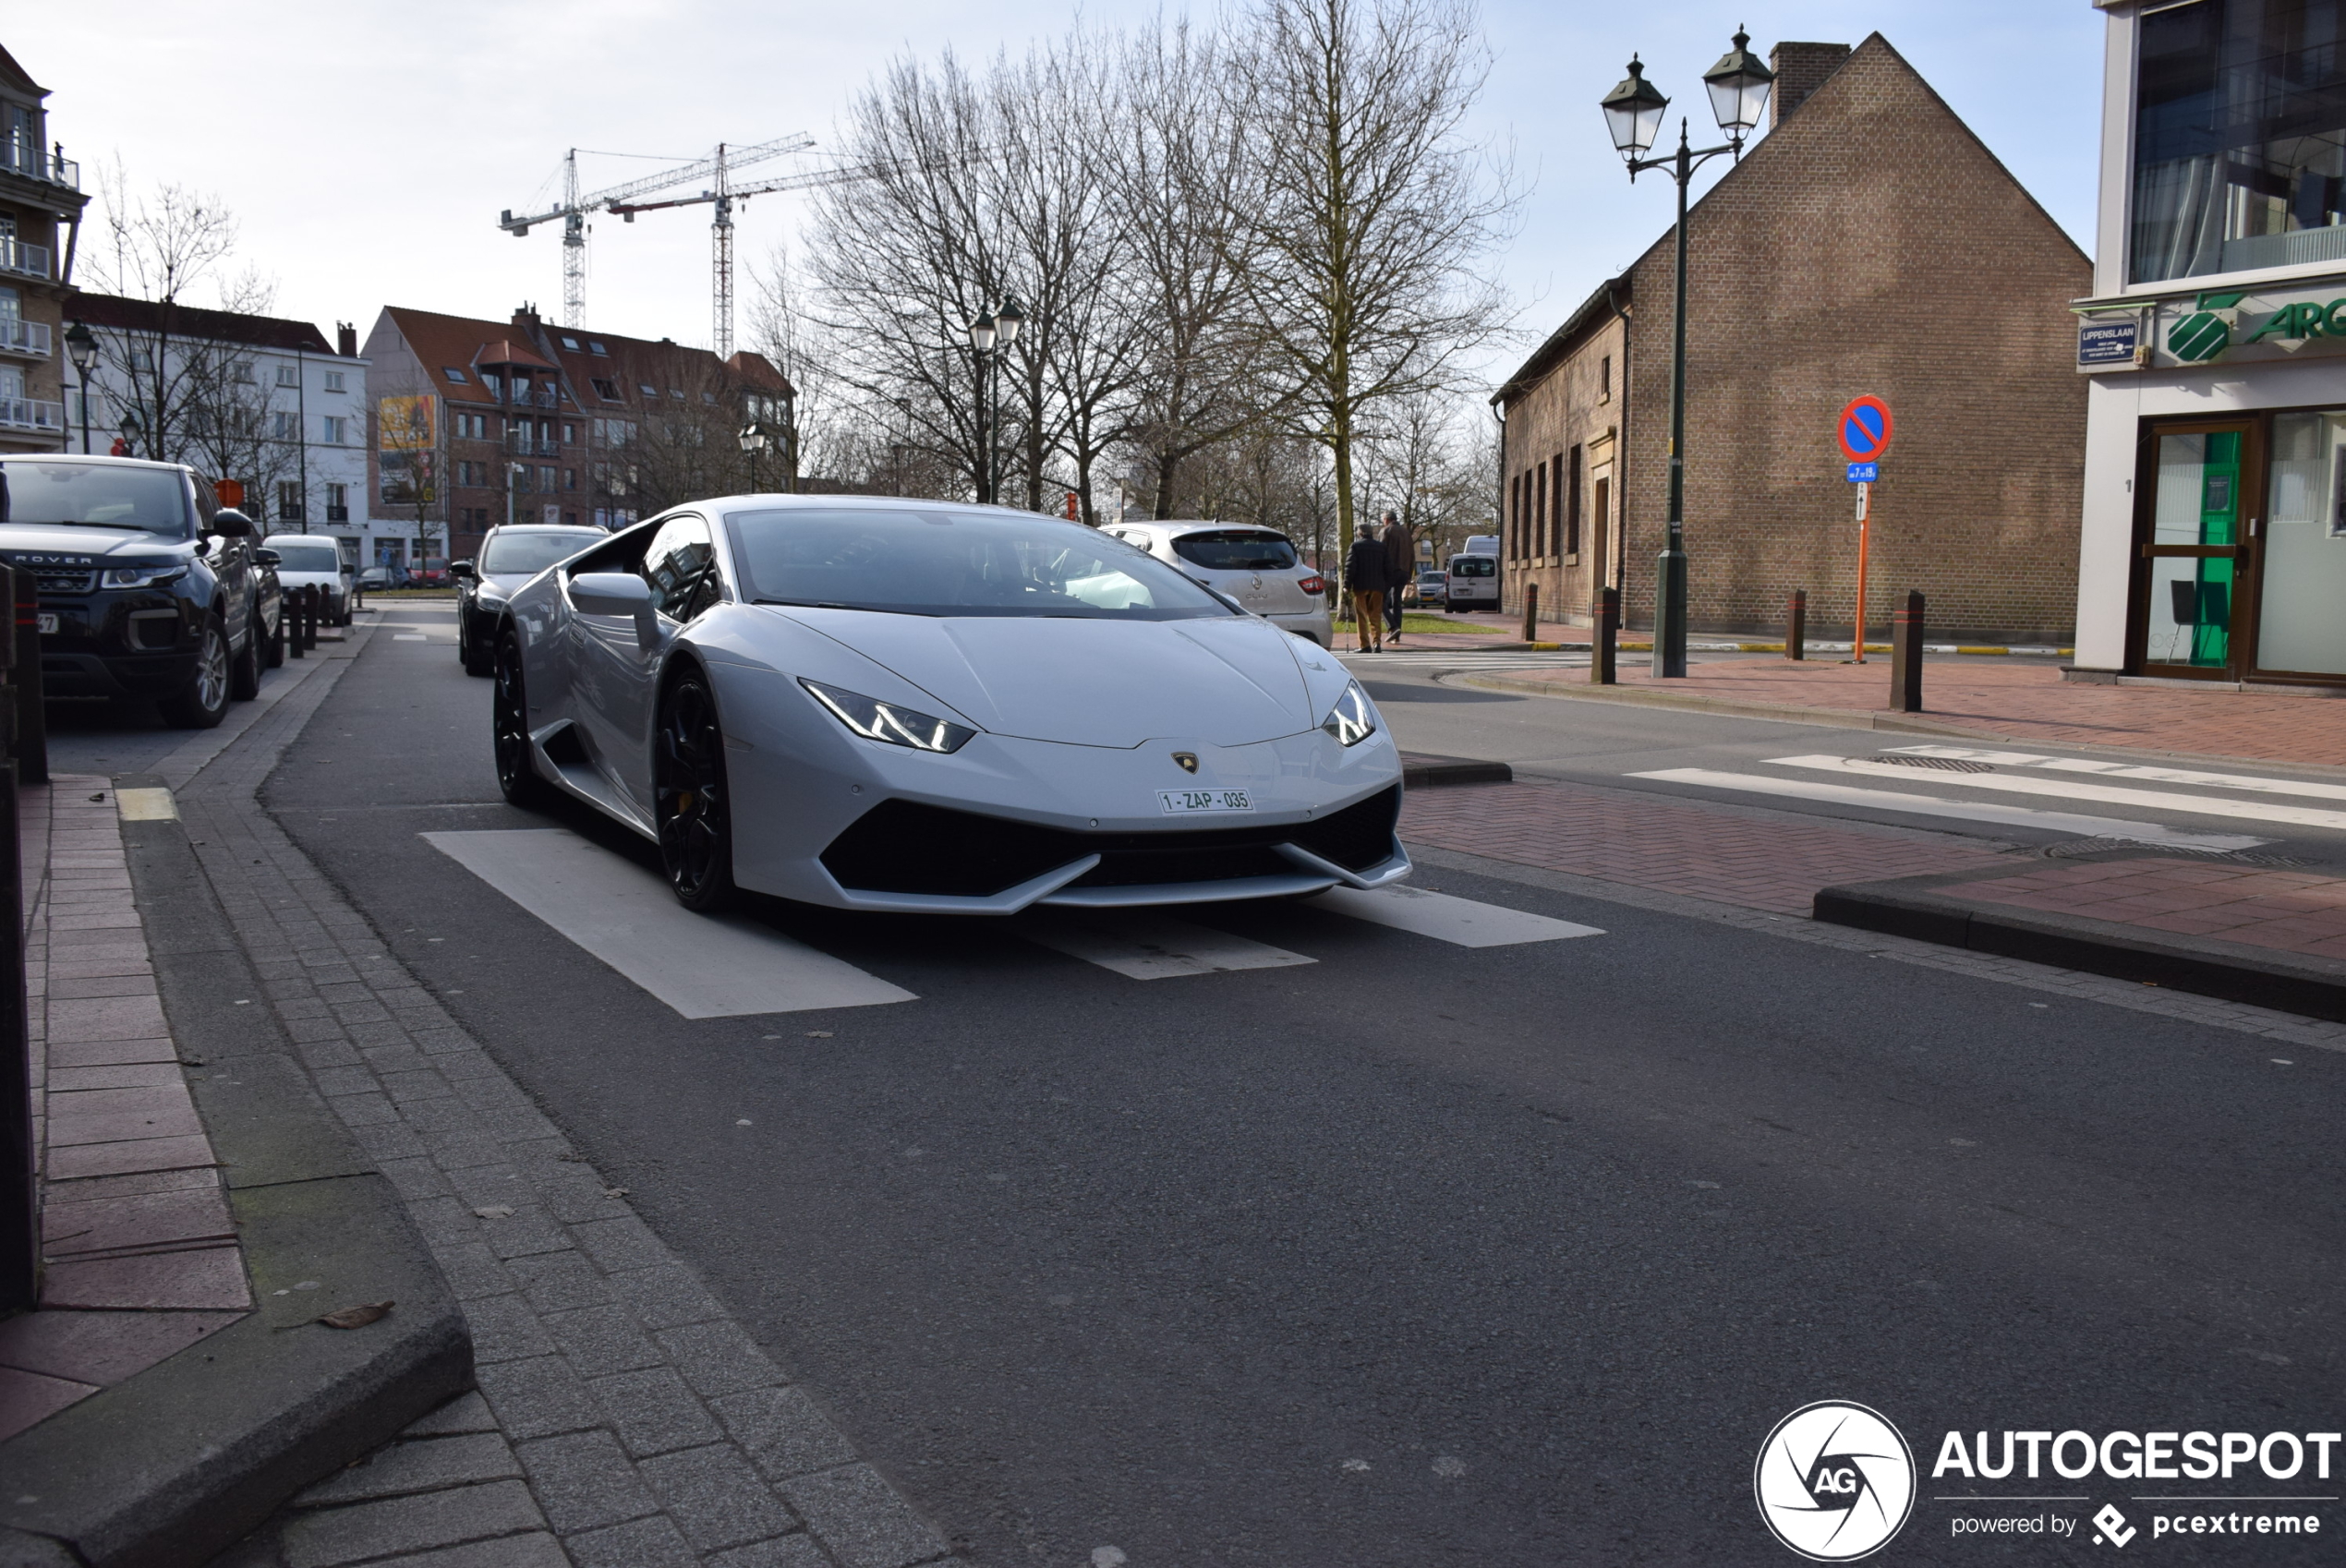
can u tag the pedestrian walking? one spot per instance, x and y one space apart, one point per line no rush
1364 578
1401 568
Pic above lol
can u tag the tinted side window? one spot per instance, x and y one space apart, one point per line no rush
681 566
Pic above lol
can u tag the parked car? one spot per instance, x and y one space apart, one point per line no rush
314 560
1472 583
146 590
508 556
1433 586
1257 568
929 707
377 578
433 574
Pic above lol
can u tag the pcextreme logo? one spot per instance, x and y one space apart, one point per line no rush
1834 1481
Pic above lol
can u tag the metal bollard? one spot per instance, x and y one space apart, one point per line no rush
309 598
1905 656
1604 636
32 744
1796 634
1530 612
289 621
19 1205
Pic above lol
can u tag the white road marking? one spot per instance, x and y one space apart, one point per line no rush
2065 788
1459 921
146 806
409 637
2130 770
1151 947
703 966
1966 811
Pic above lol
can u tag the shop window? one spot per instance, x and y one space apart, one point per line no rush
2239 139
1572 505
2302 580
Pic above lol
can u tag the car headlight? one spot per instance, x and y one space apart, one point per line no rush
143 576
890 723
1352 720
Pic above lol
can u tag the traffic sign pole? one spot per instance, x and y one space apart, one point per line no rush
1865 530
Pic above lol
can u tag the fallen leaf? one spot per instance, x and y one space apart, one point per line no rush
496 1211
818 1034
357 1317
614 1192
99 796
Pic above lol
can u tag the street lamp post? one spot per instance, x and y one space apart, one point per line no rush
994 331
754 441
82 343
1633 111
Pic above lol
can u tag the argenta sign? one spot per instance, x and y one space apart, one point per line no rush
2220 327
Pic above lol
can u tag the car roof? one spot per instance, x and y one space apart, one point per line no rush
544 528
1197 525
299 539
92 458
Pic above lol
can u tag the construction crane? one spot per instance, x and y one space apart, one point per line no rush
573 209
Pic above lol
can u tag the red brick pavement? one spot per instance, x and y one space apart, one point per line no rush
2030 702
1649 842
2295 911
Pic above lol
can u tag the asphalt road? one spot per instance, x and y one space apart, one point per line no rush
1418 1253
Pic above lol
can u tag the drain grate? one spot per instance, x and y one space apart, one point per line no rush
2079 849
1944 764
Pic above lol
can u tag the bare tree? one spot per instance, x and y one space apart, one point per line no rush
159 249
1370 207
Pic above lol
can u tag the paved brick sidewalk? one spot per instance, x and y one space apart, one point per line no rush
1647 841
2028 701
2295 911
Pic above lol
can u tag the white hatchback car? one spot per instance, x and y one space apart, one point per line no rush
1257 567
314 560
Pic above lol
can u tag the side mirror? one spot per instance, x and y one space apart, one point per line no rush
231 525
462 571
617 593
203 545
268 558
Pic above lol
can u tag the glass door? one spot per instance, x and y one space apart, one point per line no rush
2301 615
2192 514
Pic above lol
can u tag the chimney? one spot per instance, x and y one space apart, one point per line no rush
346 340
527 317
1800 68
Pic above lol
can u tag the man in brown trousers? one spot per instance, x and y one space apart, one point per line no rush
1401 568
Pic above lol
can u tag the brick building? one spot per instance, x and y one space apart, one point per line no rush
41 202
1869 243
478 423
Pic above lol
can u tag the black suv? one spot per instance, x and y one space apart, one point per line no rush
146 591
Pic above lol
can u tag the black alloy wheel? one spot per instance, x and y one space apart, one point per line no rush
517 778
203 702
690 804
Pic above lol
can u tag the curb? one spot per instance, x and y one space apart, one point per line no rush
1916 907
1431 773
180 1461
1838 718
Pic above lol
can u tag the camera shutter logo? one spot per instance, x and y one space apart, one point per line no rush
1834 1481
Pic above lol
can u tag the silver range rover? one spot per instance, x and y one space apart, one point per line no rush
1257 567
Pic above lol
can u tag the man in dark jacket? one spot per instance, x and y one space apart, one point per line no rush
1400 569
1364 578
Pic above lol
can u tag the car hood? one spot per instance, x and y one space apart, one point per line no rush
1229 681
65 539
504 584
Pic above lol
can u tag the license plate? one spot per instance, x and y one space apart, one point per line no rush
48 624
1175 802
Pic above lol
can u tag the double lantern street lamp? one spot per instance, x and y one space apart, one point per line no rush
1633 111
995 329
82 343
754 441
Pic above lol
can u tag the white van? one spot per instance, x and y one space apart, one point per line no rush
314 560
1474 582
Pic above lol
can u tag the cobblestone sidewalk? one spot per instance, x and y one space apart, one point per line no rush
628 1421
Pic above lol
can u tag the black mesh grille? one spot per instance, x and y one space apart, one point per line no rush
901 847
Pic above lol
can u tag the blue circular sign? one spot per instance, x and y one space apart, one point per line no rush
1865 428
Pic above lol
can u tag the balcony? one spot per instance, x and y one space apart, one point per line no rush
337 514
33 163
31 414
521 445
27 260
28 339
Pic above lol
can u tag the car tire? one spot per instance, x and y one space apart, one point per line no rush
244 670
691 804
469 653
517 778
203 702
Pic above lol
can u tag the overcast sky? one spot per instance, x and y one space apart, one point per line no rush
368 146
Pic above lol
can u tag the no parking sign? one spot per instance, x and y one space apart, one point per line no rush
1864 431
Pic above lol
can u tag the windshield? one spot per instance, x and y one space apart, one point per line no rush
937 562
307 558
1471 566
1236 549
515 555
100 494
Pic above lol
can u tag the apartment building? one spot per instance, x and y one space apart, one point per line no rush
41 203
479 423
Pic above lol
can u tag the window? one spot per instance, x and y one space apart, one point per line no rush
142 359
569 479
570 431
334 380
680 565
709 397
288 376
1539 509
1604 380
546 478
330 429
1572 505
526 555
475 425
2240 139
456 375
648 388
285 427
678 395
595 347
571 344
154 499
337 504
605 390
1236 549
495 383
289 501
240 371
1511 543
